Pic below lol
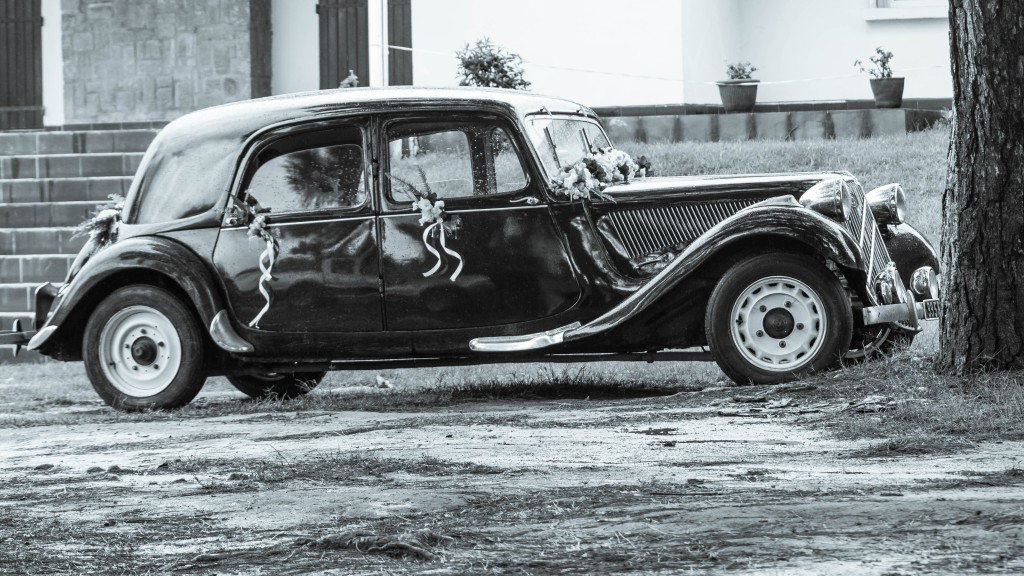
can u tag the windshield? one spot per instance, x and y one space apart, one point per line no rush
563 141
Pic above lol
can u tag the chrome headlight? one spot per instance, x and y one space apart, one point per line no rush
888 204
830 198
925 283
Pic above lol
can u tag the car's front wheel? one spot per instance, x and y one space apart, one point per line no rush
776 317
881 342
277 386
143 350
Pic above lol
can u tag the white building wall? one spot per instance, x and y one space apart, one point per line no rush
295 48
53 64
604 52
607 43
815 39
710 38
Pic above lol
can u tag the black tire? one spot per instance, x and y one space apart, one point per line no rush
279 386
777 317
143 350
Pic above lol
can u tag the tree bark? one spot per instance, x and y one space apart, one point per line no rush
982 324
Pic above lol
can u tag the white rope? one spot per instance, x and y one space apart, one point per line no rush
661 78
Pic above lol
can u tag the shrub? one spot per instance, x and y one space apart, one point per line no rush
739 70
881 61
489 65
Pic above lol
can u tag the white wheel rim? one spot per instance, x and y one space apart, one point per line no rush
140 351
778 324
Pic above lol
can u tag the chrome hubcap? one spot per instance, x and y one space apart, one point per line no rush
140 351
779 324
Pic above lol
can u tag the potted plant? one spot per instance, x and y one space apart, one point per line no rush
739 92
888 91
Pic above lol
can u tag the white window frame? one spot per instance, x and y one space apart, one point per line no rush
907 9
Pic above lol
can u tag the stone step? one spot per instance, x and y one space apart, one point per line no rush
69 165
97 188
7 319
34 268
46 214
75 142
25 241
17 298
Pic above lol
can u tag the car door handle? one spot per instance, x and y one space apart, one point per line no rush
530 200
453 225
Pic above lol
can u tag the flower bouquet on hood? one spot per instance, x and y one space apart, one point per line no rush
595 172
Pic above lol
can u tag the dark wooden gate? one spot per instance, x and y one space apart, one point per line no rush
399 34
21 64
344 41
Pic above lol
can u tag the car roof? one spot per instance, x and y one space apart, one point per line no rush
192 160
272 110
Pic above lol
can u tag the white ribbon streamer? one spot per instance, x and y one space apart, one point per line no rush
444 246
269 255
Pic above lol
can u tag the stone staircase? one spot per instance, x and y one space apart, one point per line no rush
51 181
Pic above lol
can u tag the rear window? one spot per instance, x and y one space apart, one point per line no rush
317 171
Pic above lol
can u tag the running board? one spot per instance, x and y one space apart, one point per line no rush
522 343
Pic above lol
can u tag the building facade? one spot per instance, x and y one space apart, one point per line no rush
109 61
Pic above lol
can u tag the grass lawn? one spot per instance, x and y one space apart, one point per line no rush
930 412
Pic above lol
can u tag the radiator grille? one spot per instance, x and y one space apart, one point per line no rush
863 227
644 231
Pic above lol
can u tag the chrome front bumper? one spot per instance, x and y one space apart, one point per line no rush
904 313
907 310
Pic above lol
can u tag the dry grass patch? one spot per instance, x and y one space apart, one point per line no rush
930 412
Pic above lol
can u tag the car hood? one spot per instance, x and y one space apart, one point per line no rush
741 185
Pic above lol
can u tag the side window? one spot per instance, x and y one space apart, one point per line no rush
452 160
437 162
318 171
508 168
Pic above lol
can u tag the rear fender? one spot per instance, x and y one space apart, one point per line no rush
142 260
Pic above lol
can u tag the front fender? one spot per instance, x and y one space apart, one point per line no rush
774 218
909 250
136 260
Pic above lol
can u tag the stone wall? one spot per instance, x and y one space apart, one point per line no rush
152 60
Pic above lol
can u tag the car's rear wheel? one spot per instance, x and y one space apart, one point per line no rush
274 385
776 317
143 350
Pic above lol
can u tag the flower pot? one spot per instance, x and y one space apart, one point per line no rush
738 95
888 92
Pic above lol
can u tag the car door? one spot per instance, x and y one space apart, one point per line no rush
315 185
498 225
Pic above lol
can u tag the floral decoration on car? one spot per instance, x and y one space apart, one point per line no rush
102 228
595 172
432 215
258 230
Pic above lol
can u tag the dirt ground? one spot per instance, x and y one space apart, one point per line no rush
726 480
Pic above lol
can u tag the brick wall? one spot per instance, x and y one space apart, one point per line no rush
149 60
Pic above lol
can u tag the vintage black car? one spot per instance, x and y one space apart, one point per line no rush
273 240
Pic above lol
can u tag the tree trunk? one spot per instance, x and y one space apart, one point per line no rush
983 204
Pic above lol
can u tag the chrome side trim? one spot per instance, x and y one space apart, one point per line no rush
225 336
522 343
41 337
366 217
469 210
